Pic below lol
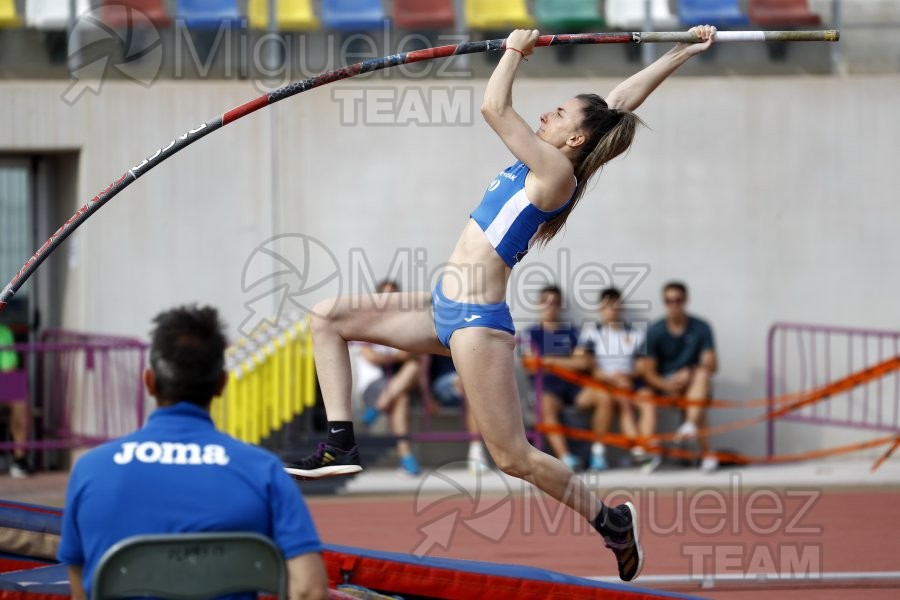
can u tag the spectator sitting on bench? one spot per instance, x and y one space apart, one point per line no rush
680 360
612 348
555 343
400 378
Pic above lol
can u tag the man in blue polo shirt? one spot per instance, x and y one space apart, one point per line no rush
179 474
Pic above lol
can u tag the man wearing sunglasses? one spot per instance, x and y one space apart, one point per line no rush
680 360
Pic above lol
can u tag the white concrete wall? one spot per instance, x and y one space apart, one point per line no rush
773 198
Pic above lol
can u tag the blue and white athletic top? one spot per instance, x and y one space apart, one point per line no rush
506 216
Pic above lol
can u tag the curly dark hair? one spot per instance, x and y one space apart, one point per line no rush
187 354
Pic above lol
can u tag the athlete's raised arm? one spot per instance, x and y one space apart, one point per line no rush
632 92
552 169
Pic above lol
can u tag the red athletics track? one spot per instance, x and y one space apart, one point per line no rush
805 530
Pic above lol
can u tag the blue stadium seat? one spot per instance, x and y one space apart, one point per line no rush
353 15
721 13
8 15
207 14
424 14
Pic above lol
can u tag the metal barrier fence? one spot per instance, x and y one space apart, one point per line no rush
85 388
88 388
803 357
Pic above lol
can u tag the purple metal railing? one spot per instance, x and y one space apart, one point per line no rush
803 357
87 388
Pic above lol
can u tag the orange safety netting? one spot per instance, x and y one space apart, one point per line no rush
780 406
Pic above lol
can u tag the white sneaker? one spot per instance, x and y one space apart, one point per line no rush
477 459
651 465
20 469
687 431
710 463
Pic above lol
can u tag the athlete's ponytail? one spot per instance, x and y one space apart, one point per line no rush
609 133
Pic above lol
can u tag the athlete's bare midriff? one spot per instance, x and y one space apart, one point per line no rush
475 273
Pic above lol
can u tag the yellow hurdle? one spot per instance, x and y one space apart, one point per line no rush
268 384
309 369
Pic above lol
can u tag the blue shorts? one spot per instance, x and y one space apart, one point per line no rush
562 389
450 316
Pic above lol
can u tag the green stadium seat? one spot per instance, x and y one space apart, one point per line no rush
8 15
52 15
493 15
290 15
116 12
565 16
782 13
353 15
424 14
721 13
628 15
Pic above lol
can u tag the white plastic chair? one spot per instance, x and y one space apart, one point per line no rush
52 15
628 15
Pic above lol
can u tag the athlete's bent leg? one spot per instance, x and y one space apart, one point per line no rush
398 320
484 359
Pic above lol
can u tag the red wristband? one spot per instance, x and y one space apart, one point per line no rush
517 50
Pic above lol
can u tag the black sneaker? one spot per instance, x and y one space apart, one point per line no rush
328 461
20 468
621 533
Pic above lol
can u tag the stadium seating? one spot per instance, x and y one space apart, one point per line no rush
115 12
8 15
493 15
290 15
207 14
628 15
424 14
782 13
353 15
565 16
721 13
51 15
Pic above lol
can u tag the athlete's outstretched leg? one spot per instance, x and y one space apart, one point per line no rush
484 359
398 320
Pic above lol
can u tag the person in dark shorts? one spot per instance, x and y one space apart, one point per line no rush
680 360
555 342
